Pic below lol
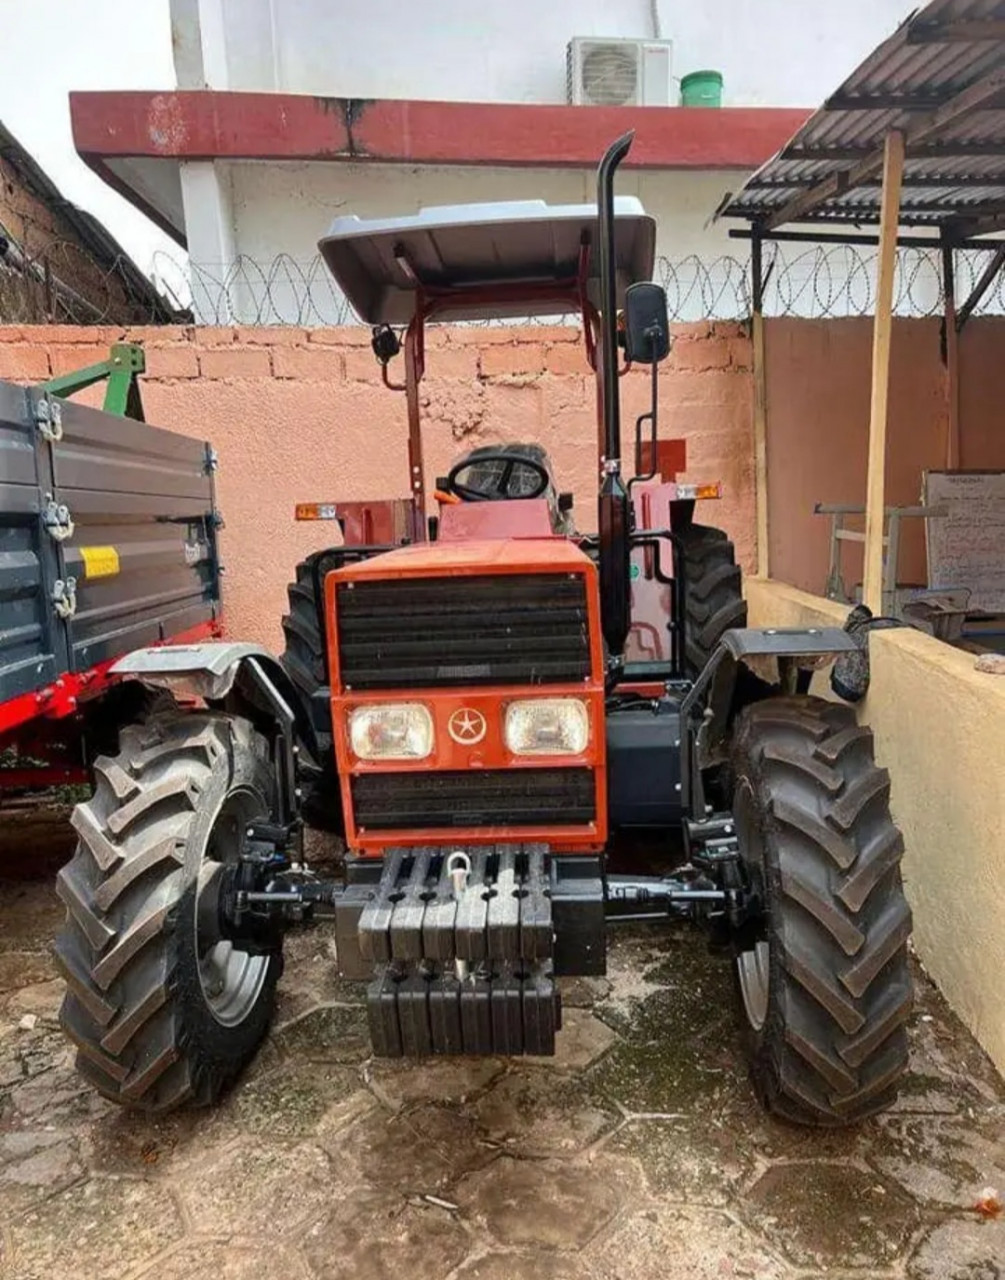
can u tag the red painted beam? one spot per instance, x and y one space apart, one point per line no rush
201 125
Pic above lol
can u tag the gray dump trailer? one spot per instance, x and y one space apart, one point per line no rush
108 542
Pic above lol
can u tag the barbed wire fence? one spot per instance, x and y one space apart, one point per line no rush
60 283
814 282
55 283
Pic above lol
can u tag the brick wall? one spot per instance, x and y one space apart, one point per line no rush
301 415
49 239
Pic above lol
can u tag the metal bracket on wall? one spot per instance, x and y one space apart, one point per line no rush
64 598
49 418
57 520
120 370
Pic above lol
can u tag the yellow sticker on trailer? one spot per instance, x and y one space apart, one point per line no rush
100 562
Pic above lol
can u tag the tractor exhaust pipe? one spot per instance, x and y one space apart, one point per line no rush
614 509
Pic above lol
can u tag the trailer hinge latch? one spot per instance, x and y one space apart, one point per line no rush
64 597
56 519
49 418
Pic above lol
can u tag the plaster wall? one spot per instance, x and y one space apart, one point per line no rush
818 385
982 394
300 415
285 208
939 727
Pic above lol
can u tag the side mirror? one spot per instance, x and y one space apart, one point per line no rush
385 343
647 328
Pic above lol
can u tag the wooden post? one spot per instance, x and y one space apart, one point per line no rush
760 409
893 172
951 357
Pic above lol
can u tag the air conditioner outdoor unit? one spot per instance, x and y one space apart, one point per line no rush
618 73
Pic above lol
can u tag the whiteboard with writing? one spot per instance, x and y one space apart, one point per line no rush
967 547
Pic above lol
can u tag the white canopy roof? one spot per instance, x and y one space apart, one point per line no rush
380 262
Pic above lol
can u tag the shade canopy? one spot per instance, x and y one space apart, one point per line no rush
381 264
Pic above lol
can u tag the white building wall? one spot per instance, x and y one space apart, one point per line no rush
311 195
280 211
771 52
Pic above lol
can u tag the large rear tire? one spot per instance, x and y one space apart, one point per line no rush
713 593
160 1016
304 653
303 658
824 979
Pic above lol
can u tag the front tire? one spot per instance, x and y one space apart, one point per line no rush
158 1017
823 980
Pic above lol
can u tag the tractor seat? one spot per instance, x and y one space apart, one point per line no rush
480 471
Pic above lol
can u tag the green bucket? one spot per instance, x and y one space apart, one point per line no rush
701 89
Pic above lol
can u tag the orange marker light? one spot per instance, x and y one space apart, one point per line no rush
315 511
699 491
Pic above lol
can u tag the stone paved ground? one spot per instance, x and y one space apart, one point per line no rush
637 1153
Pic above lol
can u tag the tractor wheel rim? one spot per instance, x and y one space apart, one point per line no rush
753 964
231 982
753 967
231 979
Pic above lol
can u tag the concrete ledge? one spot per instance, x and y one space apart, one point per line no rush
776 604
940 730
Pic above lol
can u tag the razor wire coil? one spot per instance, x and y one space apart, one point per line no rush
53 284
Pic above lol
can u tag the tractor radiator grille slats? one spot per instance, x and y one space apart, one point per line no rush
410 633
482 797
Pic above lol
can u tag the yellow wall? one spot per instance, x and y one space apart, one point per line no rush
940 730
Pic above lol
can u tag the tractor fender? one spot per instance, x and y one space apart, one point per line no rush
200 670
227 673
807 647
787 642
734 677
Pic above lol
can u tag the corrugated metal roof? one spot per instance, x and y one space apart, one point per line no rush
940 78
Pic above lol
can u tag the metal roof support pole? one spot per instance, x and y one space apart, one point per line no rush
893 173
951 354
760 405
415 360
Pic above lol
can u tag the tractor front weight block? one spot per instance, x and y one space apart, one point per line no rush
515 905
498 1008
461 946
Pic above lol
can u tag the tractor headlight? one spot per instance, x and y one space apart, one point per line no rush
391 731
547 727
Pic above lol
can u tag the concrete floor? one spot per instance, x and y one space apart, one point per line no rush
638 1152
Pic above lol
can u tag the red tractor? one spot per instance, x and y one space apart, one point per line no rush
476 701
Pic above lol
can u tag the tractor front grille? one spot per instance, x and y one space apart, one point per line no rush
505 629
476 798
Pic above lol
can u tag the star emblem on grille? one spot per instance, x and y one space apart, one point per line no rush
467 726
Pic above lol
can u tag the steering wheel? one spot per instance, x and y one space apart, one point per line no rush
501 489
